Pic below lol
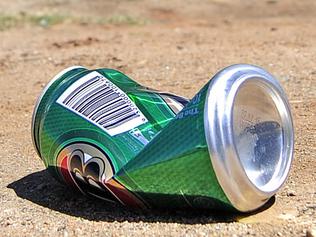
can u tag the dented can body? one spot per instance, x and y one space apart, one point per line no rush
229 147
94 121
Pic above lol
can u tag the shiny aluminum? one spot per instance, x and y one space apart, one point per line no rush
230 147
249 167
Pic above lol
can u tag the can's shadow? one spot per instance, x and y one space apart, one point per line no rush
42 189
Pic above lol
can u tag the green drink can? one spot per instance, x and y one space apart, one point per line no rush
87 124
230 147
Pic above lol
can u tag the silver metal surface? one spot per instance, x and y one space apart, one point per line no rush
61 73
249 133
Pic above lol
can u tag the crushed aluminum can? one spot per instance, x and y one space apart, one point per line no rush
230 147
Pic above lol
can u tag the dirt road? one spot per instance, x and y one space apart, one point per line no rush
168 45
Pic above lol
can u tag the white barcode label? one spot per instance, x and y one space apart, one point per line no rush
102 103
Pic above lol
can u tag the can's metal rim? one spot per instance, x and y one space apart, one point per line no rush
39 98
244 194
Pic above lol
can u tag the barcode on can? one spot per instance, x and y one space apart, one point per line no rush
98 100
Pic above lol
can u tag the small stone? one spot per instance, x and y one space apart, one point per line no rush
290 193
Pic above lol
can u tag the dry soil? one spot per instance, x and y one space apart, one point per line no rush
168 45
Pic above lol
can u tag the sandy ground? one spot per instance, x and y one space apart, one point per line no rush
168 45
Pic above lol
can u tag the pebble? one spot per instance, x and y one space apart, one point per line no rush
291 193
